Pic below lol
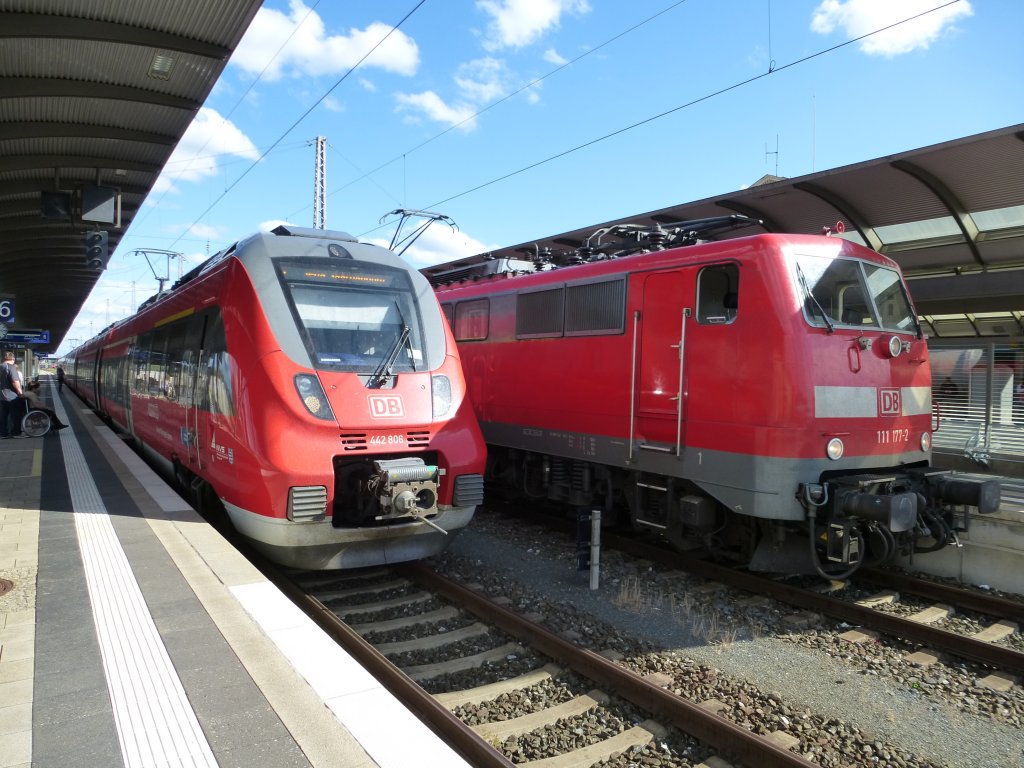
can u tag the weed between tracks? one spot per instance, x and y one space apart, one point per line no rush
704 622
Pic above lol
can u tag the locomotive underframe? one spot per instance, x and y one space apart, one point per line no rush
844 520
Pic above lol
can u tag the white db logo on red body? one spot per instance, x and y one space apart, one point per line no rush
889 402
386 406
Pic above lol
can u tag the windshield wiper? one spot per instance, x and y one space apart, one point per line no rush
810 295
385 370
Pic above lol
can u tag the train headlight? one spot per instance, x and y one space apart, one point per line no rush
441 386
834 449
313 397
895 346
926 441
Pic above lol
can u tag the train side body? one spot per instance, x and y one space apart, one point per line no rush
703 373
244 382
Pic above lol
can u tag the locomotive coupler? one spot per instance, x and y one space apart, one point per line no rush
404 488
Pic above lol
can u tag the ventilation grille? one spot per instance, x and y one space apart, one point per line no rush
308 502
353 442
418 439
469 491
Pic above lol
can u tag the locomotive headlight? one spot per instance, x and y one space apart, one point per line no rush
313 397
834 449
926 441
441 386
895 346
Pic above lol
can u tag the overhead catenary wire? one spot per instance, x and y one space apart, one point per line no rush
773 69
525 87
303 116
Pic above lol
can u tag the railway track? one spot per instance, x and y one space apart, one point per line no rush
924 627
624 709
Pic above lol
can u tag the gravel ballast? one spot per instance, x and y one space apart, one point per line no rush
749 653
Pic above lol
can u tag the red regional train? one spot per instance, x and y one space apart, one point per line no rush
768 396
310 383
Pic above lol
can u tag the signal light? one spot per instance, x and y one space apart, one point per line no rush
96 253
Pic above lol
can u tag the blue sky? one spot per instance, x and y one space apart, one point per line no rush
465 92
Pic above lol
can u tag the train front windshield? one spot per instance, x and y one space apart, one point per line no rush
357 318
851 292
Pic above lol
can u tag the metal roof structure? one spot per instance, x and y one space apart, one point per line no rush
93 99
951 215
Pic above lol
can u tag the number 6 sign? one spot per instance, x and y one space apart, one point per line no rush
6 310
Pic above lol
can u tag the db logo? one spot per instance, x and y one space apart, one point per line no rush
889 402
386 406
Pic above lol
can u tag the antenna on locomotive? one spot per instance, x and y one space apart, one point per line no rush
405 215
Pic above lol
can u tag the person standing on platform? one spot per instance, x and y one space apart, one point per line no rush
60 379
12 402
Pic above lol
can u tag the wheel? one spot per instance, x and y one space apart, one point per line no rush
35 423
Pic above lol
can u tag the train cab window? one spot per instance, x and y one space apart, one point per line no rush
472 320
852 293
718 291
357 318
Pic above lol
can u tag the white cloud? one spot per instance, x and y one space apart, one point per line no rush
207 140
205 231
368 85
482 80
859 17
551 56
332 104
439 244
311 51
517 23
433 106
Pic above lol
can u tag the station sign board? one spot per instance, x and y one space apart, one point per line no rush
34 336
7 310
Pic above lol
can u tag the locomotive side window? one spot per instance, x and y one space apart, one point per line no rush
595 308
472 319
539 314
449 314
718 290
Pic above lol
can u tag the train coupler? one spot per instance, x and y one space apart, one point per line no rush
404 488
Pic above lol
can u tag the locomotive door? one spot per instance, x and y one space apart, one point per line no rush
660 393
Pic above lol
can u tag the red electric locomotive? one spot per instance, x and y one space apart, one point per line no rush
311 384
766 395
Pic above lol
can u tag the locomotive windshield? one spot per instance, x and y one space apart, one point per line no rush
853 293
360 318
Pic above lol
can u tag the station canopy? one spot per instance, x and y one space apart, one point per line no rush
951 215
94 96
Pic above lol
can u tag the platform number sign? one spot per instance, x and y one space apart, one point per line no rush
6 311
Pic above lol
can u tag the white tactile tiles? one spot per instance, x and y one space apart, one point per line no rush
156 724
371 713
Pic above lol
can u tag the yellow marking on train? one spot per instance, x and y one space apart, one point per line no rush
172 318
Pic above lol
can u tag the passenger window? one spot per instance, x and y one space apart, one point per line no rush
472 319
718 291
449 314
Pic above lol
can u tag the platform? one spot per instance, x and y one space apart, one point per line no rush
134 635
